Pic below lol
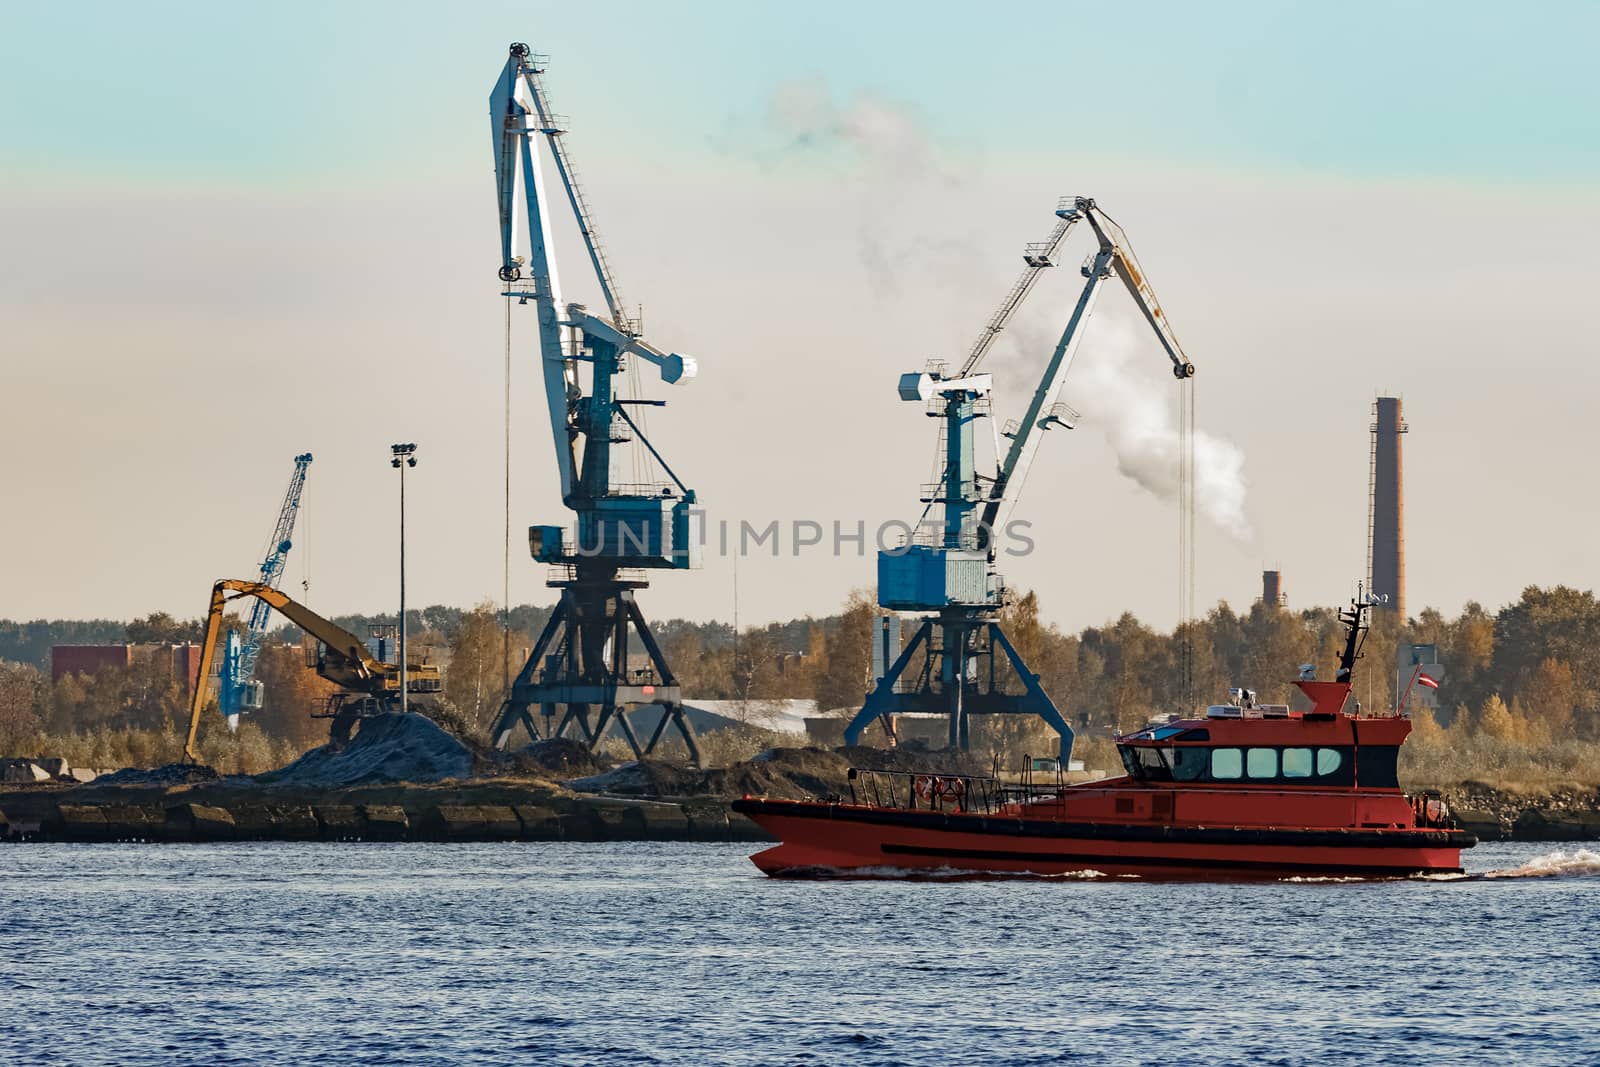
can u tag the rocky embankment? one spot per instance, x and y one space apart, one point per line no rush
404 779
1506 813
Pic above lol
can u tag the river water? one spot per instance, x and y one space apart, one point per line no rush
683 954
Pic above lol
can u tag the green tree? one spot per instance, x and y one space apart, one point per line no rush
159 628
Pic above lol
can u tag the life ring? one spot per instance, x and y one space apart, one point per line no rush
925 785
952 787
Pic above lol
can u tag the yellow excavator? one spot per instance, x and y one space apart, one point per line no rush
367 685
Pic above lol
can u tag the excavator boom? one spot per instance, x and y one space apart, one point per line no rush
347 662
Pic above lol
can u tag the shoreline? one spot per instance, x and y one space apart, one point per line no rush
502 809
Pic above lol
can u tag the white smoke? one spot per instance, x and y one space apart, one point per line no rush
885 161
887 135
1136 410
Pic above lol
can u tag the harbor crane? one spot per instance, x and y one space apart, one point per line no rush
237 689
945 572
368 685
581 661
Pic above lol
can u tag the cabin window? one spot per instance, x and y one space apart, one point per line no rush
1261 763
1328 760
1188 764
1375 766
1226 763
1297 762
1145 764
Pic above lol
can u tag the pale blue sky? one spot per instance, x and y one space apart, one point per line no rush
237 232
305 92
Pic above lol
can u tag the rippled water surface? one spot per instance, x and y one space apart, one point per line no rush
684 954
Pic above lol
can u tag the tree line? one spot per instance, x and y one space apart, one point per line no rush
1523 675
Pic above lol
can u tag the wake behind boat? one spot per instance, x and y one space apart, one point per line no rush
1248 790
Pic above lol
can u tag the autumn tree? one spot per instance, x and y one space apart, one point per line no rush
1547 698
1494 719
22 698
846 673
481 661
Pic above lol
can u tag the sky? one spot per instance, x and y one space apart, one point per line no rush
235 233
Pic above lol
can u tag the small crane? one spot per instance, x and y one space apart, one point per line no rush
580 661
948 575
237 690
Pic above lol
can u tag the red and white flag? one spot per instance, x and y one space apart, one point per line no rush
1425 680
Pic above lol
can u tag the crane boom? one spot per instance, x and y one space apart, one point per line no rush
233 695
520 116
347 662
1038 256
1132 274
1114 255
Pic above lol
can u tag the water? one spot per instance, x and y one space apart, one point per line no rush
683 954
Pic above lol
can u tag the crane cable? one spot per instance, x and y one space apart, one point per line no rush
1186 542
505 576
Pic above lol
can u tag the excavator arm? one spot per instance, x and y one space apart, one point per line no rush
355 662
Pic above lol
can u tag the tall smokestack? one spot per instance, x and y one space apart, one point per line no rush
1386 542
1272 588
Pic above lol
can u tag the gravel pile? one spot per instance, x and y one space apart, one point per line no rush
388 748
792 773
171 774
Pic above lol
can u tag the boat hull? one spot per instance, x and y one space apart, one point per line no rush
824 839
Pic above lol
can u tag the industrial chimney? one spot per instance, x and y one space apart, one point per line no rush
1386 543
1272 588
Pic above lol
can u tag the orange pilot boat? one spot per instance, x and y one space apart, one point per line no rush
1246 791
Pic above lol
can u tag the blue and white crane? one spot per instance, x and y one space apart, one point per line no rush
237 690
580 662
945 573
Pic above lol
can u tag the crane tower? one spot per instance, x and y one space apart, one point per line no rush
237 689
945 573
581 664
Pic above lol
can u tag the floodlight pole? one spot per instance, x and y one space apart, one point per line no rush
403 456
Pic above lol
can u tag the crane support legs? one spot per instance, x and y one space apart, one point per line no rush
954 642
580 665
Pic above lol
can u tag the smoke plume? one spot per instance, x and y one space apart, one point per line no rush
1136 411
887 162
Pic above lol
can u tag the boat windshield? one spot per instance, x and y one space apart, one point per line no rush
1144 763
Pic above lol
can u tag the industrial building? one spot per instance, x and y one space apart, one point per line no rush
183 661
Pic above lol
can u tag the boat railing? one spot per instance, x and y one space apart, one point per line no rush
926 791
1429 810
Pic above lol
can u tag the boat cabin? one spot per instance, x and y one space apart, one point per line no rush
1244 744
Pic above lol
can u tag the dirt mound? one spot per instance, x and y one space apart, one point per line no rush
646 778
171 774
561 757
792 773
388 748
